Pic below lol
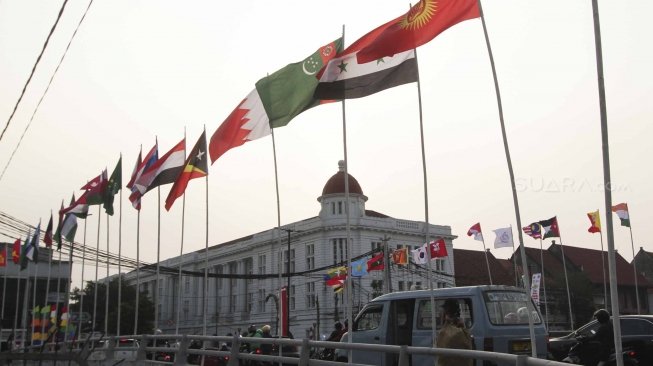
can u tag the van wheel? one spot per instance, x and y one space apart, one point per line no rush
341 359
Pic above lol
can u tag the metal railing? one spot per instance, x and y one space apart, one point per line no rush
87 352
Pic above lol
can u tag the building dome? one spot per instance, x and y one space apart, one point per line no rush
336 184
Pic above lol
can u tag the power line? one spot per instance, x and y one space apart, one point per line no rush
44 92
38 59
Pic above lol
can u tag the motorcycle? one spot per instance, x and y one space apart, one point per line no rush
587 353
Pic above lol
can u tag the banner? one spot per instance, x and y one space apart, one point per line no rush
535 288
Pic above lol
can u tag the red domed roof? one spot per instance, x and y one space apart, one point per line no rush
336 184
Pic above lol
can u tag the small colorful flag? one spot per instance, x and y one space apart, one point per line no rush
164 170
622 211
504 237
533 230
400 256
550 228
141 165
47 238
438 249
420 256
595 220
359 267
197 166
113 186
15 252
334 275
476 232
3 256
376 263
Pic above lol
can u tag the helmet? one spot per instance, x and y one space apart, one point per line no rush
338 325
252 328
266 329
602 315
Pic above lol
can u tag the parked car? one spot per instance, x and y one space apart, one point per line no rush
636 334
125 349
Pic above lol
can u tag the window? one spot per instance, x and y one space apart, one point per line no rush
310 295
509 307
424 312
292 297
310 256
250 302
219 271
186 309
333 208
233 287
292 261
370 318
339 250
401 286
261 300
376 246
636 327
339 207
187 285
249 269
262 261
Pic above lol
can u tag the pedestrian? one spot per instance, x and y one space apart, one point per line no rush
453 334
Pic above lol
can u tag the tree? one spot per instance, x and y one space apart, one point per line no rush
127 306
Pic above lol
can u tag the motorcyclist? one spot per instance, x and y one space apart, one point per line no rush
604 336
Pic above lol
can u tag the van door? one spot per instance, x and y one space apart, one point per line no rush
400 327
370 327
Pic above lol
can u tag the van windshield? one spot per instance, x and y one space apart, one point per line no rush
509 308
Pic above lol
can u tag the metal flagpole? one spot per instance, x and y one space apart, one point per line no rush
181 261
36 277
18 282
158 256
106 284
58 289
119 258
206 258
81 299
427 225
607 184
97 258
47 287
527 280
605 285
634 267
276 184
138 269
487 261
564 267
546 306
4 289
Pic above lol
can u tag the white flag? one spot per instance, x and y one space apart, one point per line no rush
504 237
420 255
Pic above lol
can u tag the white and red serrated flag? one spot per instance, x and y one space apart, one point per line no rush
476 232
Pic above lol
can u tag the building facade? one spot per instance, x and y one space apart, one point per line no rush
243 286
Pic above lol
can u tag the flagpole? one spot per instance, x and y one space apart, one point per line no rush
487 261
605 286
514 259
18 282
36 275
607 184
181 263
426 203
564 266
138 269
81 298
4 291
106 284
97 258
119 256
527 281
158 256
632 244
206 258
47 286
546 306
58 289
278 232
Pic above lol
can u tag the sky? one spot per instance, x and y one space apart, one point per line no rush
144 70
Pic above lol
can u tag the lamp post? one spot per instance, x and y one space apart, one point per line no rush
287 325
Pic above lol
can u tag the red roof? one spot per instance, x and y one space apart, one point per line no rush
471 269
336 184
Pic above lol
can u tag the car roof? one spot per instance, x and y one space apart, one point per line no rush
446 292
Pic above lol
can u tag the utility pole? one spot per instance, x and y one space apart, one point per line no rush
287 325
387 279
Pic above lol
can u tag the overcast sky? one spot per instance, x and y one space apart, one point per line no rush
138 70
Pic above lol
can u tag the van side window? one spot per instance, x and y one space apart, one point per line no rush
369 319
424 313
509 307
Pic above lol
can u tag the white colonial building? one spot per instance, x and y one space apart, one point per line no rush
244 273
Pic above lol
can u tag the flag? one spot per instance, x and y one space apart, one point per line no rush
196 166
23 251
376 263
419 255
504 237
400 256
141 166
338 287
164 170
475 230
533 230
113 187
67 226
15 252
32 252
275 101
47 238
359 267
3 255
550 228
423 22
345 78
77 207
622 211
595 221
95 189
334 275
438 249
